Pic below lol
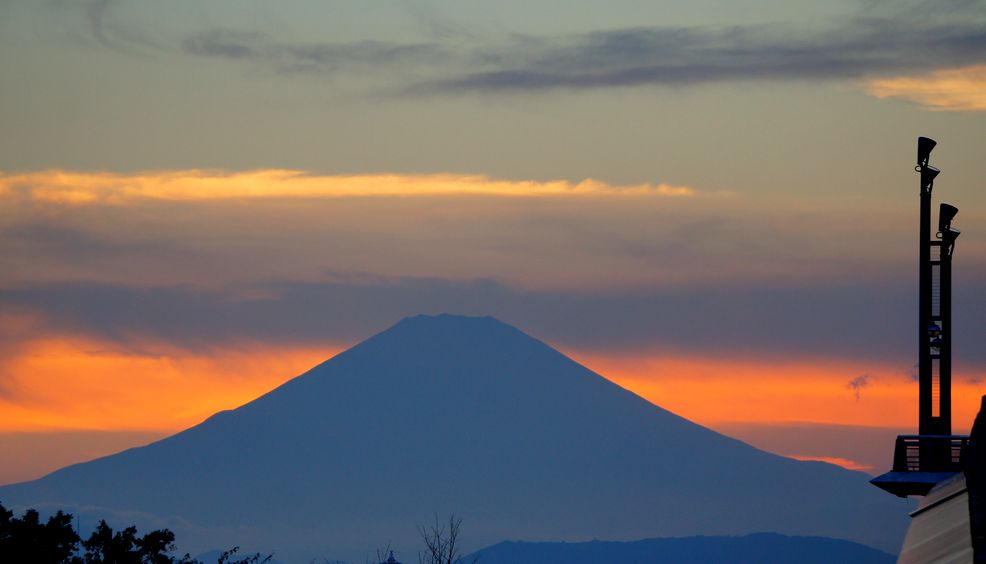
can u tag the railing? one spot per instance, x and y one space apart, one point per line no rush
929 453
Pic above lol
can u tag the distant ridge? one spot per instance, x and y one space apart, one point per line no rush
457 414
757 548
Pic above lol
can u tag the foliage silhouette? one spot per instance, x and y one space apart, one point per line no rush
125 547
255 558
27 539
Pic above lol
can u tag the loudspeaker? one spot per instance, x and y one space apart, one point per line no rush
946 213
925 145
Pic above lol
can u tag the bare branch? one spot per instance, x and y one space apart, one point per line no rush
441 540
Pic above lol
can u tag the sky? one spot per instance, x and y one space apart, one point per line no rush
712 204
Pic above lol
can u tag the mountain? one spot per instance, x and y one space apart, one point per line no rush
750 549
466 415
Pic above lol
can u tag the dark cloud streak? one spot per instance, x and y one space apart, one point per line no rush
865 45
854 49
323 58
104 26
837 322
880 39
59 242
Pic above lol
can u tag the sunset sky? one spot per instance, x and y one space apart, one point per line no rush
712 204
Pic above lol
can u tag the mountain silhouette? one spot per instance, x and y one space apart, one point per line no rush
750 549
442 414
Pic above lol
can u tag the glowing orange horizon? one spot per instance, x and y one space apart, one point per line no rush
82 384
712 391
63 384
837 460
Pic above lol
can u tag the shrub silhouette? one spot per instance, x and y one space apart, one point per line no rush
27 539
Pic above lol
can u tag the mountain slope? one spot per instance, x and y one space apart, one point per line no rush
751 549
467 415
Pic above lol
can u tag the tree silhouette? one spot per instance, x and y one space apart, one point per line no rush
55 542
125 547
442 542
255 558
29 540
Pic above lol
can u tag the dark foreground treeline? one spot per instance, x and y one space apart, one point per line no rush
29 540
55 541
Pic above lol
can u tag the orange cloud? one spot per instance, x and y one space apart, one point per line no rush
81 188
960 89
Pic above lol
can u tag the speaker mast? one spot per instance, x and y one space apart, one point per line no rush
923 460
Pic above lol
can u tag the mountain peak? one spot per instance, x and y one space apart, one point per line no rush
451 322
447 318
447 338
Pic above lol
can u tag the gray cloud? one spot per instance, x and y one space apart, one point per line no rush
871 43
880 38
862 322
58 242
96 11
105 27
324 58
854 48
858 383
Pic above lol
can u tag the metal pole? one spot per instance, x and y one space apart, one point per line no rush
926 424
945 362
